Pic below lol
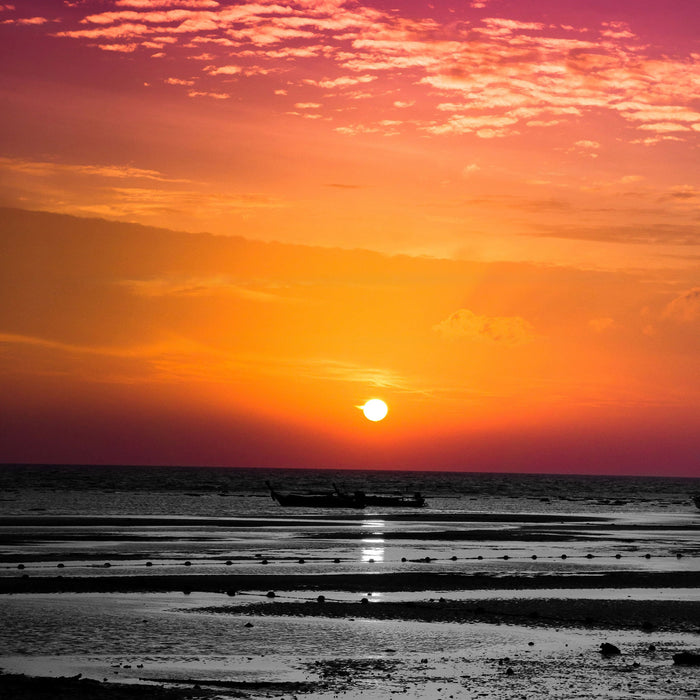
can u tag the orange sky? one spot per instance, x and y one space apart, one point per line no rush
227 225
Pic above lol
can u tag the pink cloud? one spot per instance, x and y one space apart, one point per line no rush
223 70
495 72
149 4
214 95
121 48
28 21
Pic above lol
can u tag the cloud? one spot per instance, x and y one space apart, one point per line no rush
202 287
342 81
223 70
121 48
338 370
486 68
600 325
49 169
684 308
28 21
504 330
154 4
213 95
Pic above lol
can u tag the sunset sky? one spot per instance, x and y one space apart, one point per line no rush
225 226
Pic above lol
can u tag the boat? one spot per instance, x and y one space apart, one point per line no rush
330 499
414 501
389 501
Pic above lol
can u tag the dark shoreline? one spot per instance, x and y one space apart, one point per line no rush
646 616
15 686
410 581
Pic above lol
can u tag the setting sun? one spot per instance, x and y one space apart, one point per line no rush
249 217
375 410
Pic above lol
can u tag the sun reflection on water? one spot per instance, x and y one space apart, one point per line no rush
373 545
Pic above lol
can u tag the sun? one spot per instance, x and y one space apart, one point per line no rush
375 409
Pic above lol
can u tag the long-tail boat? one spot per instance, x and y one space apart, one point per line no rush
331 499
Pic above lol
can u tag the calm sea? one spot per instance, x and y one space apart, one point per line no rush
200 491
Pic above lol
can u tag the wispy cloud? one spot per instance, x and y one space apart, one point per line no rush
203 287
50 169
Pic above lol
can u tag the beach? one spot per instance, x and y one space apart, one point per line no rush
462 599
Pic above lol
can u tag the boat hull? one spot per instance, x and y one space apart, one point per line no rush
330 500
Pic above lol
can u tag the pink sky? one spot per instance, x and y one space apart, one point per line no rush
484 212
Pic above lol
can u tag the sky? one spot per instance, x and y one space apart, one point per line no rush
224 226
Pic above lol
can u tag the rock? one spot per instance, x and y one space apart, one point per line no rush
686 658
607 649
270 594
248 624
509 671
652 647
321 599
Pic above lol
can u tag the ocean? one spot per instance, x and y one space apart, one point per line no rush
127 574
129 490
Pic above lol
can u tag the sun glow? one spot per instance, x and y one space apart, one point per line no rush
375 410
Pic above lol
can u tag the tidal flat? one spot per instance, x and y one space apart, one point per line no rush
106 595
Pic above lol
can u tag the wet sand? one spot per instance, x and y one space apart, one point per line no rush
446 615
